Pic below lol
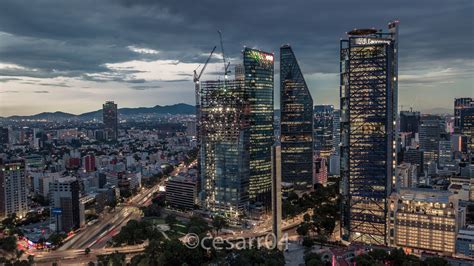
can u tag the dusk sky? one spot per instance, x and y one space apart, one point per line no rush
72 56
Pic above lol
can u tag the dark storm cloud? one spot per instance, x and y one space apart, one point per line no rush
78 38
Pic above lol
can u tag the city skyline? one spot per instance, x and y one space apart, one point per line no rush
86 59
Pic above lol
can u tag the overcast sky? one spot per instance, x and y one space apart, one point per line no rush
73 55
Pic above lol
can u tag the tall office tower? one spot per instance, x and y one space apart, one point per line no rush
336 131
296 122
459 105
369 73
258 69
430 133
110 119
64 199
4 136
409 121
225 147
445 153
323 130
467 126
13 191
276 192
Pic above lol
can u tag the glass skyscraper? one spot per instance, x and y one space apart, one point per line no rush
368 91
296 136
258 71
323 130
224 153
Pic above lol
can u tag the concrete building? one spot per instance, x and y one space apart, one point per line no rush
67 213
13 190
424 220
181 192
406 174
465 242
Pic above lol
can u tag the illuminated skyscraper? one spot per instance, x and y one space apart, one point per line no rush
459 105
258 69
368 91
110 119
323 130
224 153
296 136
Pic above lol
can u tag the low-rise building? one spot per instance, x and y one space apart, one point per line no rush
424 220
181 192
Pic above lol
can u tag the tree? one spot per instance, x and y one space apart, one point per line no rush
308 242
436 261
313 259
171 220
87 251
303 229
8 243
197 225
219 222
56 239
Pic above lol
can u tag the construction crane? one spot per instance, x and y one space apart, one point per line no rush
226 64
198 77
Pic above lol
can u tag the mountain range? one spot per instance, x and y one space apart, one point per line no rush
175 109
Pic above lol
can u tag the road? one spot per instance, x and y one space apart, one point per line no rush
96 235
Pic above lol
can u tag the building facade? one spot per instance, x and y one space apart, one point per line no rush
258 69
13 190
296 122
110 119
323 130
64 201
424 220
368 91
181 192
459 105
224 153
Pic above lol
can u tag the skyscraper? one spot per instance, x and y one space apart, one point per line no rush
369 73
431 129
323 130
224 153
4 136
13 190
258 69
110 119
467 126
296 130
409 121
459 105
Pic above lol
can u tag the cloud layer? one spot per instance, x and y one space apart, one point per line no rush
143 52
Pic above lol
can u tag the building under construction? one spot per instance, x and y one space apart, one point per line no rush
368 91
224 153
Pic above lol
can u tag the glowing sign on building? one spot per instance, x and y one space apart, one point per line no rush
368 41
260 57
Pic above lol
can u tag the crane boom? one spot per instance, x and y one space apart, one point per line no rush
196 76
226 65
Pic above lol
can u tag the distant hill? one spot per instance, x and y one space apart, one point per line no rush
175 109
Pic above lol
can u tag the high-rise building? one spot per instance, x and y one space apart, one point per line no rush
258 69
459 105
409 121
467 126
110 119
430 133
181 192
224 153
13 190
323 130
369 73
336 131
64 201
276 192
296 122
